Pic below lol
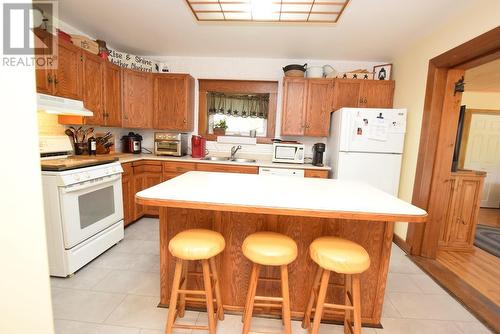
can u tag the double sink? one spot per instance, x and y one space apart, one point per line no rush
229 159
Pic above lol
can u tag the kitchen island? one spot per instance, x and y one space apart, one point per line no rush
237 205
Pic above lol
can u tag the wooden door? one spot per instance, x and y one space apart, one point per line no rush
346 93
138 185
128 195
451 195
482 152
68 75
293 116
137 99
319 107
112 95
93 87
172 105
44 75
466 210
377 94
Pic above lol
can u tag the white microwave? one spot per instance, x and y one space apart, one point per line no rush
290 153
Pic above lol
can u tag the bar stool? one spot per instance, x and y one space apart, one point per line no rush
195 245
268 249
344 257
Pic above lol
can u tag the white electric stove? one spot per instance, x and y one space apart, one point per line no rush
83 205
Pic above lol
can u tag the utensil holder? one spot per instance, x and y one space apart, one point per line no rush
81 148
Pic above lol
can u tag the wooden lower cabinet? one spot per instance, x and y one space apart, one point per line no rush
128 193
462 209
143 174
147 173
320 174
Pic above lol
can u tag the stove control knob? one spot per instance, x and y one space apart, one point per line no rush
76 177
106 171
87 175
113 170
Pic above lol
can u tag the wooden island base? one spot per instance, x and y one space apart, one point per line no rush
234 268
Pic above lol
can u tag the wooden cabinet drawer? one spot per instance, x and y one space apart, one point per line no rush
227 168
178 167
321 174
170 175
147 169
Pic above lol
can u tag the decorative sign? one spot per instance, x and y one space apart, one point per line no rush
137 63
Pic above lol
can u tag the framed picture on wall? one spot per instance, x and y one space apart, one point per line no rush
382 72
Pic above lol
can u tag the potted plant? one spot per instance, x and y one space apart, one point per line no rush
220 128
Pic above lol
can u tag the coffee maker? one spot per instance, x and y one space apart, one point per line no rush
318 150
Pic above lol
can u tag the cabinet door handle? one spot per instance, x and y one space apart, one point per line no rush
361 100
365 101
49 78
55 80
184 121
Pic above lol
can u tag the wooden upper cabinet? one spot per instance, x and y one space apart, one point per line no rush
112 95
173 102
68 75
363 93
66 79
294 106
318 107
307 104
93 87
377 94
346 93
44 75
137 99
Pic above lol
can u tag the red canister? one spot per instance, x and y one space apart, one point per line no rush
198 146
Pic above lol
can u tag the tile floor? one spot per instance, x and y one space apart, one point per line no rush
117 293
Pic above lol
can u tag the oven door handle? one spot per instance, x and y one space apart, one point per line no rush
92 184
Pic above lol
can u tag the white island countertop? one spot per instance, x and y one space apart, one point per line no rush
280 195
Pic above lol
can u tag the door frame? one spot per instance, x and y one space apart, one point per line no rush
438 132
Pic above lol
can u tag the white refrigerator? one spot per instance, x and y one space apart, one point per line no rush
366 144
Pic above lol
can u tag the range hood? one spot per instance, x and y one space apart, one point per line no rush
61 106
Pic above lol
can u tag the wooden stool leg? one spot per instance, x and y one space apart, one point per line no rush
172 309
318 313
252 288
218 295
349 302
208 293
182 296
306 322
356 298
287 321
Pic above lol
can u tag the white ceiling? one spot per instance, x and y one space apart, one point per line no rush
368 29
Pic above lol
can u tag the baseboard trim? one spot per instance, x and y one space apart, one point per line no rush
401 243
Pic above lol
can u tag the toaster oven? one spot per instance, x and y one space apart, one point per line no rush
173 144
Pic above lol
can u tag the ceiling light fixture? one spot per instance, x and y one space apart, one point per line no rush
295 11
262 9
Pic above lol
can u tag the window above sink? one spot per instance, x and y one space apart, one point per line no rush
236 107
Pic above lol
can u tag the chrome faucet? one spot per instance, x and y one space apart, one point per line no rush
234 149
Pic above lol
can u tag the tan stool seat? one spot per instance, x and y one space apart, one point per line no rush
196 244
269 249
339 255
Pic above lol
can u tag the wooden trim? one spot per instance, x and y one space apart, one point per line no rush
281 211
483 308
401 243
438 134
242 87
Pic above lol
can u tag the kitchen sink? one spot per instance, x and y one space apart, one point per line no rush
216 158
243 160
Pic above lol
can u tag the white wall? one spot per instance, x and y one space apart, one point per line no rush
25 302
410 73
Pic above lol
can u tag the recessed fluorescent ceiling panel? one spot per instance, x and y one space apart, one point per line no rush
313 11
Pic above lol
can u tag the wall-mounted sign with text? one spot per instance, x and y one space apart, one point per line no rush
129 61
